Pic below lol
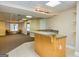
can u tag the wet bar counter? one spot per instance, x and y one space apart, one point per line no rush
50 44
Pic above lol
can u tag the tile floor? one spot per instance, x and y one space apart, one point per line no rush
24 50
27 50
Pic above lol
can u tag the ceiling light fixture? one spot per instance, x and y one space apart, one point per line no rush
29 16
53 3
42 10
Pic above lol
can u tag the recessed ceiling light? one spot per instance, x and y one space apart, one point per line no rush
53 3
29 16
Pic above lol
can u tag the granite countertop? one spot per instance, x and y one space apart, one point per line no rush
49 30
58 36
45 33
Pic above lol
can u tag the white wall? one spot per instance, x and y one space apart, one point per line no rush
43 23
34 24
77 28
64 22
37 24
24 31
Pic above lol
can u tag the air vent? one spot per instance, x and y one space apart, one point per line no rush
42 10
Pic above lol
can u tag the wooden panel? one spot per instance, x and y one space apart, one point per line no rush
43 45
59 47
49 45
2 28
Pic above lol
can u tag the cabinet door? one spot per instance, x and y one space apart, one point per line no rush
59 47
2 28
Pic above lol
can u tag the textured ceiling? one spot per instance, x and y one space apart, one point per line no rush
32 4
27 7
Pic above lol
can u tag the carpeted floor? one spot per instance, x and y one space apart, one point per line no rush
9 42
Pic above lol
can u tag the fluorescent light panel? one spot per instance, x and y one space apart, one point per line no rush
29 16
53 3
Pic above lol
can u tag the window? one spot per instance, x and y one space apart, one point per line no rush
28 27
13 27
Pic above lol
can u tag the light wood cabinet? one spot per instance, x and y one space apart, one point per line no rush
2 29
50 45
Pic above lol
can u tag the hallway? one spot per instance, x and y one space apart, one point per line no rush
9 42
